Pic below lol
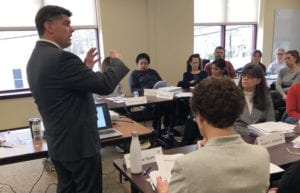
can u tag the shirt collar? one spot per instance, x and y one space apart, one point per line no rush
49 41
225 140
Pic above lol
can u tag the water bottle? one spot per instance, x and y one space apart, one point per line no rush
35 127
135 154
135 94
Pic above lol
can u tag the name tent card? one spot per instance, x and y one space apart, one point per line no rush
271 139
150 92
135 101
165 94
148 156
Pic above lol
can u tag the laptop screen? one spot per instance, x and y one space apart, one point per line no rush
103 117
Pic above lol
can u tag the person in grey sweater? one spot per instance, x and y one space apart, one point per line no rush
291 74
225 162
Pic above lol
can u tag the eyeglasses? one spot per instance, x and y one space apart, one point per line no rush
248 76
280 54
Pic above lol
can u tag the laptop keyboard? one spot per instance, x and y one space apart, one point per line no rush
106 132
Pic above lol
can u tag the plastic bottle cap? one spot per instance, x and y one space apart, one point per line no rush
135 133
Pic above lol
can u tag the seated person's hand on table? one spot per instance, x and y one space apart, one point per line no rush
162 185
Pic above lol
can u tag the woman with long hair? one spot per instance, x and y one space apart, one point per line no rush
193 74
259 106
291 74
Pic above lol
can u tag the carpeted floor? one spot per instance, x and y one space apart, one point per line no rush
21 177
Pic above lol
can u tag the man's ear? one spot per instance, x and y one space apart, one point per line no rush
48 25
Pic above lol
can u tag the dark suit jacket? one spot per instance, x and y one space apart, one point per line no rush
62 85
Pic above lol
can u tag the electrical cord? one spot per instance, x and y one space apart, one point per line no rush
108 173
38 179
49 186
11 188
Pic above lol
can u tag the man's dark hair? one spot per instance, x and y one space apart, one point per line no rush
142 56
48 13
218 100
219 48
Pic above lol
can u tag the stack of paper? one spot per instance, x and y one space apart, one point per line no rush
267 128
165 164
296 142
275 169
171 89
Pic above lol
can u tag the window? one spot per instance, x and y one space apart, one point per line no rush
18 36
224 23
17 74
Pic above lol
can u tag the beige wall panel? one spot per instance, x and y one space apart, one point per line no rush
173 20
125 28
16 112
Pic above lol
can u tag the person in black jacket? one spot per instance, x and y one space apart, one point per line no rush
145 78
290 181
62 86
193 74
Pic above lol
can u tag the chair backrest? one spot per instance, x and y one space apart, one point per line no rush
159 84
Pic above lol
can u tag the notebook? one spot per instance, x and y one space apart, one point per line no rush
104 123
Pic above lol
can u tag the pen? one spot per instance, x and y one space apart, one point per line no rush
147 170
6 146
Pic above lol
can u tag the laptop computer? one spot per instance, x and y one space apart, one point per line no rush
104 123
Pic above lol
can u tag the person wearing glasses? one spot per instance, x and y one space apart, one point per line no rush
279 63
259 106
225 162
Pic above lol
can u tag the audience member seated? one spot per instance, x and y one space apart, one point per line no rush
291 74
220 53
259 106
279 63
290 181
193 74
119 90
225 163
293 104
145 77
256 59
218 68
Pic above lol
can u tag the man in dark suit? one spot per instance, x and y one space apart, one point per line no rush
61 85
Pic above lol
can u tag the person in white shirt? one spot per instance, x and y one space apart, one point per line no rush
279 63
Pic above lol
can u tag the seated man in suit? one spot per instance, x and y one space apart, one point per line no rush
225 163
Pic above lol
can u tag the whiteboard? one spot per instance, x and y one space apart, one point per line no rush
287 29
